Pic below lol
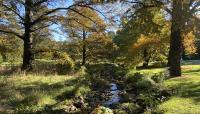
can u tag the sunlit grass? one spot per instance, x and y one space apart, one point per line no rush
178 105
186 97
148 71
32 93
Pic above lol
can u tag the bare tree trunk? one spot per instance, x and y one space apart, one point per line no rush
27 54
176 40
84 48
4 58
146 58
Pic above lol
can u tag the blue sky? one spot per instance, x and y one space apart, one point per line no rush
59 35
117 9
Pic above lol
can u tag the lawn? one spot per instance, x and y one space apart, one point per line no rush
186 99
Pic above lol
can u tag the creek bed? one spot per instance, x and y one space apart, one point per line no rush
115 97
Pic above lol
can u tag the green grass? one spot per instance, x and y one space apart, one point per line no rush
148 71
186 100
9 63
23 94
186 97
29 94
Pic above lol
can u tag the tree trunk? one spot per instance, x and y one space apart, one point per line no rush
184 56
27 54
176 40
146 58
84 48
4 58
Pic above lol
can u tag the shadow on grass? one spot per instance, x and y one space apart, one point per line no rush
38 67
192 71
26 96
188 89
191 90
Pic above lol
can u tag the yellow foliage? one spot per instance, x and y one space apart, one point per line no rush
146 42
86 18
189 43
154 44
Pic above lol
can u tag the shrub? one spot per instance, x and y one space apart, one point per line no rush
159 78
64 62
145 84
149 90
98 82
134 78
127 108
61 64
106 70
140 82
102 110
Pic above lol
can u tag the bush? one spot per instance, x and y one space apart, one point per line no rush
146 84
140 82
159 64
102 110
61 64
134 78
127 108
106 70
159 78
149 90
98 82
64 62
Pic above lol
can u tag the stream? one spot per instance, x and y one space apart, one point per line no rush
115 97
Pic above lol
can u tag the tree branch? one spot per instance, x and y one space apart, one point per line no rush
11 9
12 32
50 12
42 27
39 2
194 8
168 10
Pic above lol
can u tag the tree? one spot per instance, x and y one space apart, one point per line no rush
24 17
79 27
150 47
181 12
142 34
100 47
10 48
176 40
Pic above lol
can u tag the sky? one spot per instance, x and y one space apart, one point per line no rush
109 10
58 35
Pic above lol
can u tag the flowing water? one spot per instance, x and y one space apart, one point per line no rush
115 95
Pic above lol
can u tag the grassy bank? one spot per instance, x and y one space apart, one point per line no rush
33 93
186 99
30 94
186 96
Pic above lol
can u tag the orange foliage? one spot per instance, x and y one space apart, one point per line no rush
149 41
